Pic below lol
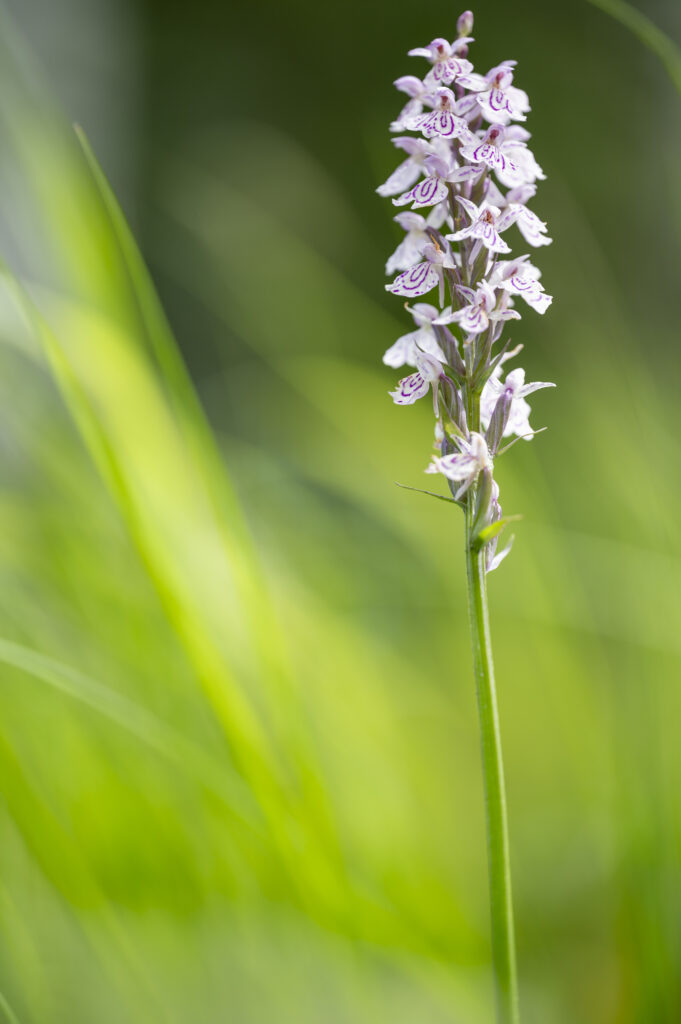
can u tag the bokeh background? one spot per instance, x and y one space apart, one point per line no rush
239 765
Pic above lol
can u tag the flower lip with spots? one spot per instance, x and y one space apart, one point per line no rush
498 100
442 121
416 385
486 223
465 465
480 310
446 66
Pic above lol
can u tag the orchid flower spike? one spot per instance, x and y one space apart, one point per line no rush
468 181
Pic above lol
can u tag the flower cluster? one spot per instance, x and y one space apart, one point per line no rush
467 178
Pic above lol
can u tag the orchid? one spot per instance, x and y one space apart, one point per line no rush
442 55
419 97
464 466
442 121
499 101
470 163
407 348
530 226
519 277
410 169
486 221
515 390
479 311
441 169
418 384
411 246
424 276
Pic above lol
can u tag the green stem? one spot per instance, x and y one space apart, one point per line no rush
501 905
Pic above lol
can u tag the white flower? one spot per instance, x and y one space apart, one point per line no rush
519 277
416 385
433 189
424 276
499 101
515 387
412 168
407 349
446 66
408 252
479 311
486 223
420 96
530 226
463 466
442 121
504 150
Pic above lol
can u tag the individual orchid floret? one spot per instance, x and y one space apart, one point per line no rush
411 169
441 170
442 121
420 96
416 385
408 252
446 66
519 277
485 223
499 100
480 310
514 391
424 276
530 226
464 466
491 150
516 149
406 349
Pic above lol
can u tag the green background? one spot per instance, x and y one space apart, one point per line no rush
239 762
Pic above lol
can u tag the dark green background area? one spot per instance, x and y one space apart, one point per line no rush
246 787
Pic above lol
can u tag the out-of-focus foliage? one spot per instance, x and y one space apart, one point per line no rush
239 770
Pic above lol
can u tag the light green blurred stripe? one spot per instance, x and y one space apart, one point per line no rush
649 34
138 721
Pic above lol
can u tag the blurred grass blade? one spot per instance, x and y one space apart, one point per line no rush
136 720
8 1011
648 33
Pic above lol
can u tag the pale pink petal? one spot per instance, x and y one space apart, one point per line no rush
411 85
474 82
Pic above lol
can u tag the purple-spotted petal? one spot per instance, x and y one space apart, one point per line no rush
473 319
417 281
529 289
474 82
410 389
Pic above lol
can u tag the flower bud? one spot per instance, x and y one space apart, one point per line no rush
464 24
483 501
448 344
498 420
454 407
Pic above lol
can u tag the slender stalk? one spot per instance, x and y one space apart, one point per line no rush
498 854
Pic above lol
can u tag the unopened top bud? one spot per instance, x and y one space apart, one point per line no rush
464 25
